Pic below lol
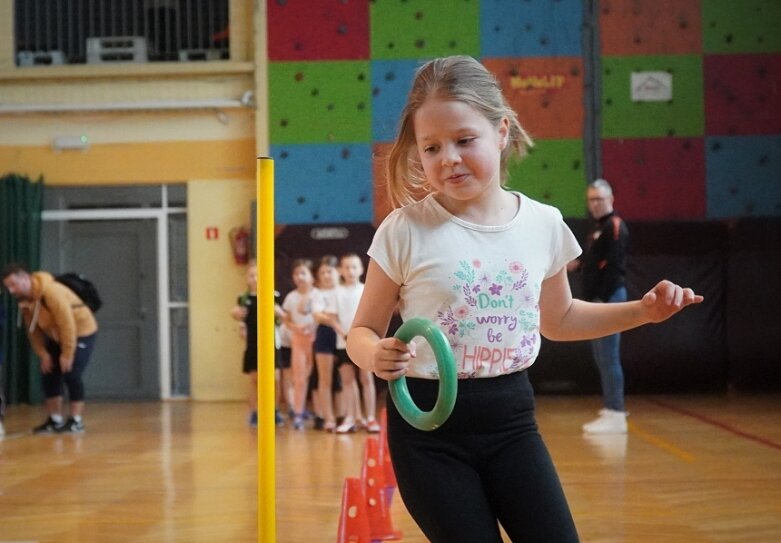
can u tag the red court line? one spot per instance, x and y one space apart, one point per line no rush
718 424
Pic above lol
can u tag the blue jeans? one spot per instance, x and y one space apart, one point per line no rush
607 355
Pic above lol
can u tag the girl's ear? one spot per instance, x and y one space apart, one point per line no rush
504 133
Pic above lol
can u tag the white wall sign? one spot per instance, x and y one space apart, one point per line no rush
652 86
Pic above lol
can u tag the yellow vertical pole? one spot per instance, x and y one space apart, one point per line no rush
265 258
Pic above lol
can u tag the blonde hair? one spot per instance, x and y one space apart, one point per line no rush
450 78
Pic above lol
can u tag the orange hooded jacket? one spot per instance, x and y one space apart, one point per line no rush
56 312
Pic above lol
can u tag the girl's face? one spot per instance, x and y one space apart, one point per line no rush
351 269
327 277
302 277
459 148
252 277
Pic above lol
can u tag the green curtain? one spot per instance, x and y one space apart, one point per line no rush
21 203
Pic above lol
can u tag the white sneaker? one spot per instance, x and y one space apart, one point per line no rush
609 422
2 430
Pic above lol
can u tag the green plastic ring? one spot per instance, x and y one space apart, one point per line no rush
448 380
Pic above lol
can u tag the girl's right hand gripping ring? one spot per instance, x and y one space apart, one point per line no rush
448 381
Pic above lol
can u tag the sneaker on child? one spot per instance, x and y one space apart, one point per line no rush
71 426
347 427
49 426
608 422
373 427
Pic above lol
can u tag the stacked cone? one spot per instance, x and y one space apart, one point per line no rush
366 515
385 459
377 507
353 522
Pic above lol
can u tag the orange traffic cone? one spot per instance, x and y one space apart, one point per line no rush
377 507
385 458
353 522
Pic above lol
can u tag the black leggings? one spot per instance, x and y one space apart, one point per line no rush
486 463
52 381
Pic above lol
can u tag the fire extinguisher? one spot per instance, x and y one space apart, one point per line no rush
239 239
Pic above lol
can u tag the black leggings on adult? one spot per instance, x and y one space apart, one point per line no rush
52 381
486 463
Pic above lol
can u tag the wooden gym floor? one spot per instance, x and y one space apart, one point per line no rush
692 469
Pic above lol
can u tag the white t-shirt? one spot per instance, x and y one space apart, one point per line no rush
481 284
299 307
284 335
347 305
325 300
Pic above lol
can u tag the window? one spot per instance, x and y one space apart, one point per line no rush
50 32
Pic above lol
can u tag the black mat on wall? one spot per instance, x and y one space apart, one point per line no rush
313 241
686 353
733 338
753 314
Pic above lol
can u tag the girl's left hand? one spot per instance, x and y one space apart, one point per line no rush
666 299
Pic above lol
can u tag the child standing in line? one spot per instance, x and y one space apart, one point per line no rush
488 266
245 311
351 270
285 366
279 385
301 323
324 310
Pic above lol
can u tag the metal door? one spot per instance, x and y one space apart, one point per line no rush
120 257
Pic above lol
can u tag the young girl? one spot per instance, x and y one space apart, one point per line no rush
286 393
245 311
299 320
351 270
487 265
324 311
281 381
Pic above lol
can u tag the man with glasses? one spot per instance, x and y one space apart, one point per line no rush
603 269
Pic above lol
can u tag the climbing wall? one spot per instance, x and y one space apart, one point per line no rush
340 71
320 127
712 149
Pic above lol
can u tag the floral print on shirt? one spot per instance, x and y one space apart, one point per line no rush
493 326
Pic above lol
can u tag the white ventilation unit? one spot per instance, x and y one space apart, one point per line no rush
116 49
40 58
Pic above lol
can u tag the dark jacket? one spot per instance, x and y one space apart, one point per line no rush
604 259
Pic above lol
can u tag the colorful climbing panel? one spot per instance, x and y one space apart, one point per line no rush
340 72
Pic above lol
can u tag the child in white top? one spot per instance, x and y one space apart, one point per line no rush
328 328
489 266
351 270
301 323
286 371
